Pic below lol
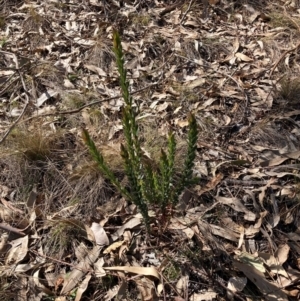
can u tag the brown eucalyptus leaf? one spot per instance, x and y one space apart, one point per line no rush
270 290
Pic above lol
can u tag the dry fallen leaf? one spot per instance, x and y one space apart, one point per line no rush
237 284
206 296
270 290
99 234
148 271
113 247
282 253
81 269
129 225
118 290
237 205
18 250
82 287
182 285
147 289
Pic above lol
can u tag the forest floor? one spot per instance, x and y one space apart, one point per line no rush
66 234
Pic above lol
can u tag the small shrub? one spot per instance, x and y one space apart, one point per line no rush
147 185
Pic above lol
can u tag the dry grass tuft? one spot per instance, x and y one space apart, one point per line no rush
140 20
290 90
101 54
89 188
63 237
35 145
36 156
73 100
279 19
47 74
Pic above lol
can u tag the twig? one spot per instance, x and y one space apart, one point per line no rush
277 63
15 123
277 81
61 262
9 83
282 57
67 112
88 105
163 286
292 20
27 94
188 9
170 8
244 182
9 228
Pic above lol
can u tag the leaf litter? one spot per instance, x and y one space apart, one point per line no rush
66 234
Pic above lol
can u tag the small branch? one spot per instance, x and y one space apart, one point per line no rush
277 63
89 104
66 112
15 123
170 8
27 95
186 12
9 228
9 83
282 57
62 262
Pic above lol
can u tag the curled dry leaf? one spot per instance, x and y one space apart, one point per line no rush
39 285
118 290
237 205
82 287
99 234
81 269
18 251
113 247
147 289
237 284
206 296
129 225
271 291
182 285
282 253
272 263
243 57
148 271
98 268
226 233
6 214
176 225
252 260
